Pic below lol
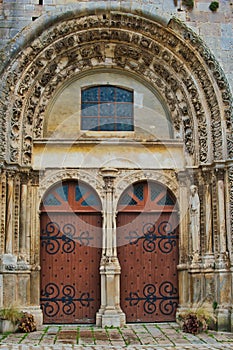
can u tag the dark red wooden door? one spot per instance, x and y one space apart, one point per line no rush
70 254
147 242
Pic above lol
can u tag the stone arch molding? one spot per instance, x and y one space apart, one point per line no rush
169 56
166 177
55 177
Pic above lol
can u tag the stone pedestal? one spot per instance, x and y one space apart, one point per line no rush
183 278
110 313
224 318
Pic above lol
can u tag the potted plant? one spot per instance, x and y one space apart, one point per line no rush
195 321
9 319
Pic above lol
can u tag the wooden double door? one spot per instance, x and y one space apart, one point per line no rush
147 246
70 254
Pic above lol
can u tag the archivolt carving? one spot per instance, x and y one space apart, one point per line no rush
163 55
52 177
3 195
230 147
231 197
211 62
127 178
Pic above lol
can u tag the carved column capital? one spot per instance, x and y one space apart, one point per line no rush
220 170
207 175
183 178
109 175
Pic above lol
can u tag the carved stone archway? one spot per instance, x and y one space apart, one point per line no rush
51 177
170 56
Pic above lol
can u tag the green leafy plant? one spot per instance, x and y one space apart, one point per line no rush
214 6
27 323
215 305
195 321
11 314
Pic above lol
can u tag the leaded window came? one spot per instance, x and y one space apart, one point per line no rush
107 108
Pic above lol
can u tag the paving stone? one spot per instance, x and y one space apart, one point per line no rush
66 341
118 343
114 335
148 340
101 335
67 334
52 330
154 331
130 337
96 338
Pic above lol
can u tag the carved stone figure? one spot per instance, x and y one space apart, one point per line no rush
194 206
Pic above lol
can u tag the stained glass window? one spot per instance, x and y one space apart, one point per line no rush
149 195
71 196
60 194
107 108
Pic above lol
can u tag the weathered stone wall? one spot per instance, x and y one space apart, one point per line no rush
215 28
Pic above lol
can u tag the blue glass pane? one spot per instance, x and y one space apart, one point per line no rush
51 200
107 120
79 192
107 124
138 191
124 127
124 110
128 121
166 200
155 190
124 95
90 201
89 109
89 124
125 124
108 127
107 109
127 200
107 94
63 192
90 95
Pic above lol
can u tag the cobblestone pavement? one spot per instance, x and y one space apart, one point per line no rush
133 336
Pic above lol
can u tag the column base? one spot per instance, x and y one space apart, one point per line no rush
8 262
110 318
110 313
224 318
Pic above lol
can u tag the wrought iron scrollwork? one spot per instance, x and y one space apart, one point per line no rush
53 238
84 238
165 237
167 305
50 293
167 298
53 300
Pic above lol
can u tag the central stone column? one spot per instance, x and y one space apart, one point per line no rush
110 313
